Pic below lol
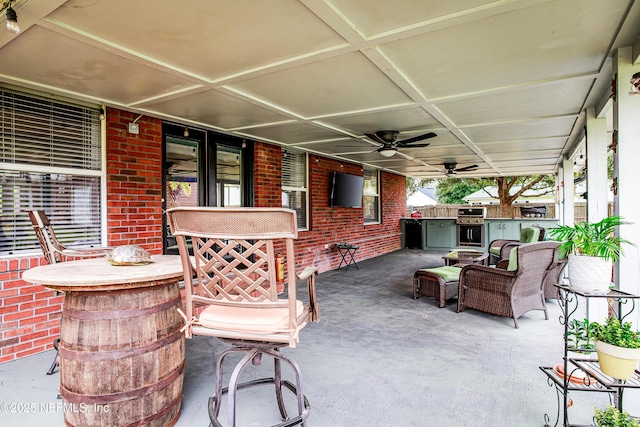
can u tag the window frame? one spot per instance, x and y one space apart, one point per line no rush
376 195
19 219
304 190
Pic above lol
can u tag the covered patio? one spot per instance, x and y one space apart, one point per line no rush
472 88
376 357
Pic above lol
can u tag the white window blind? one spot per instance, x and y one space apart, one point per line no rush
49 160
294 184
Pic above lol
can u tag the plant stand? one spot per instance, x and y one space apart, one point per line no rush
621 304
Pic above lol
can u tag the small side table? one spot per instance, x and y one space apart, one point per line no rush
347 252
466 257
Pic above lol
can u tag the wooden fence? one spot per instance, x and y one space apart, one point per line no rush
493 211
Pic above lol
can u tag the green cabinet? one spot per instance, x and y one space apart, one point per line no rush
441 233
508 230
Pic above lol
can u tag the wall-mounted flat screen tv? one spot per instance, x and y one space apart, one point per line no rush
346 190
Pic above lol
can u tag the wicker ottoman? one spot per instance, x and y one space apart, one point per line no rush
440 283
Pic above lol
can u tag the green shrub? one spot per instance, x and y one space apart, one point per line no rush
611 417
616 333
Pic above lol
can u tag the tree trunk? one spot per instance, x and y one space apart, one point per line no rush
506 210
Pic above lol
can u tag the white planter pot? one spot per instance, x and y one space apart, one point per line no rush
617 362
589 274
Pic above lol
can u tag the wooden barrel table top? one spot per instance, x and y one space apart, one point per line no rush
97 274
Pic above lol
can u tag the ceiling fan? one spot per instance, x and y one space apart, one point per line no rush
390 143
452 170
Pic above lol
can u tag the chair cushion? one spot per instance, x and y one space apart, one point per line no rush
529 235
495 250
513 260
448 273
256 319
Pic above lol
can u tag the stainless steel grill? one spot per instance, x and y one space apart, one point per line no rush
470 226
471 215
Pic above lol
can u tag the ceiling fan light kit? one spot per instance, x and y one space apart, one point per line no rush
387 152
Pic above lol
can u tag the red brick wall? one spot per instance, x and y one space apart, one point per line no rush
29 314
267 175
134 181
328 226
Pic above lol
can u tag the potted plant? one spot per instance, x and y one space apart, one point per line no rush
612 417
592 248
618 348
580 335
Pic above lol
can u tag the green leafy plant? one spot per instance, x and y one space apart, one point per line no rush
612 417
580 334
591 238
616 333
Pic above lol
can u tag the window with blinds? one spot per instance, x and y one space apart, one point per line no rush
294 184
49 160
371 196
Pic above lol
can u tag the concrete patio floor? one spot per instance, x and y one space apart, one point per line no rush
377 358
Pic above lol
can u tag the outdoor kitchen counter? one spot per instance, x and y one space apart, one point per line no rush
439 234
486 219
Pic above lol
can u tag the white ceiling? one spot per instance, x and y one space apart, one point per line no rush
503 84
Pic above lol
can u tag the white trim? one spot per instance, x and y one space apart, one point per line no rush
103 179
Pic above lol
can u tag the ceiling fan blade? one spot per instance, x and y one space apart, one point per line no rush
418 138
374 137
467 168
401 145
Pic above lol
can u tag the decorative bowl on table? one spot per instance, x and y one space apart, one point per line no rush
129 255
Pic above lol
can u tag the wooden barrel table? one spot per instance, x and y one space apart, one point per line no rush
121 350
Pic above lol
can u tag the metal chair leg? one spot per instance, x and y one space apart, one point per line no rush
52 368
254 353
277 377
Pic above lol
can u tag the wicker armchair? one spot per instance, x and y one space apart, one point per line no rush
234 279
500 249
511 292
553 276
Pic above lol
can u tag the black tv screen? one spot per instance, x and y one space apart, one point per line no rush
346 190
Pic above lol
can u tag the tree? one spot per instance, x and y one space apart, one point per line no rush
509 189
454 190
414 183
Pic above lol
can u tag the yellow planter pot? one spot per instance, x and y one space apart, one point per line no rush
617 362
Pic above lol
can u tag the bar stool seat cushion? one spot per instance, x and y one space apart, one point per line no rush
248 319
